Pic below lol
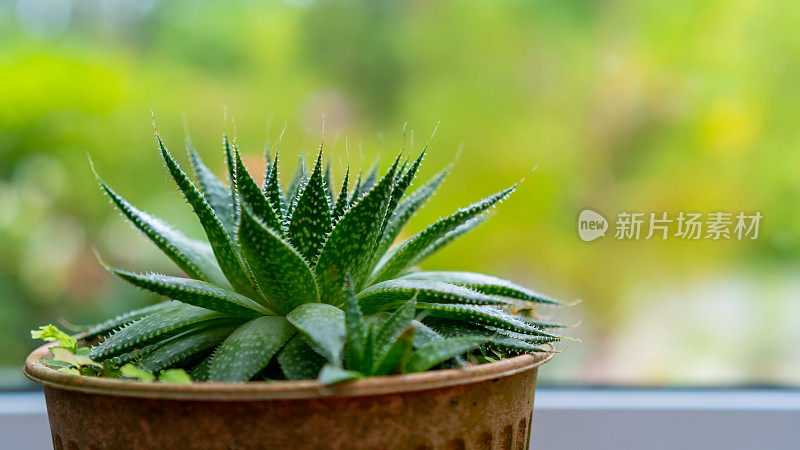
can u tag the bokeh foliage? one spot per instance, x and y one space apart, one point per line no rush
640 106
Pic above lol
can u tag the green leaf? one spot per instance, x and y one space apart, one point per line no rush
486 315
249 349
403 183
424 334
69 370
408 207
174 376
221 244
445 240
351 243
529 338
171 320
295 186
69 356
311 220
438 352
56 363
484 283
332 374
341 200
392 293
230 161
324 328
404 256
327 182
355 196
135 373
185 347
280 271
299 361
397 353
356 331
516 345
397 323
369 181
272 187
218 196
194 292
251 195
51 333
192 256
500 339
124 319
133 355
200 371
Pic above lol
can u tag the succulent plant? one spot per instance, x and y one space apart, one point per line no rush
307 283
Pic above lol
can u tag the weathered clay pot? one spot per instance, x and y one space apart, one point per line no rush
483 407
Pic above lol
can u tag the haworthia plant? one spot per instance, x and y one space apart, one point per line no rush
307 282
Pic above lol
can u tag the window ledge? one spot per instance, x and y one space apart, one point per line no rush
575 418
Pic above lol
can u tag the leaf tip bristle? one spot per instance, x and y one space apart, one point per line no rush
434 130
528 174
100 259
572 303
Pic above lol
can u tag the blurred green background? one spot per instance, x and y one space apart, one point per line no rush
638 106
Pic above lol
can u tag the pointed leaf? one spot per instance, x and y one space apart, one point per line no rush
216 193
486 315
200 371
500 339
332 374
193 257
397 353
298 180
397 323
484 283
351 243
230 160
280 272
369 181
194 292
223 247
438 352
169 321
385 338
424 334
324 328
250 194
408 207
399 190
311 220
124 319
392 293
404 256
327 181
356 330
272 187
249 349
447 239
341 200
355 196
133 355
185 347
529 338
299 361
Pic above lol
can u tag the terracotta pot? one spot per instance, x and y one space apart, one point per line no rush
482 407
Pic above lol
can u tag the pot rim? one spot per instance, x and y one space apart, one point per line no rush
277 390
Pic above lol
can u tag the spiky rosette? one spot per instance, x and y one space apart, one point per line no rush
308 277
